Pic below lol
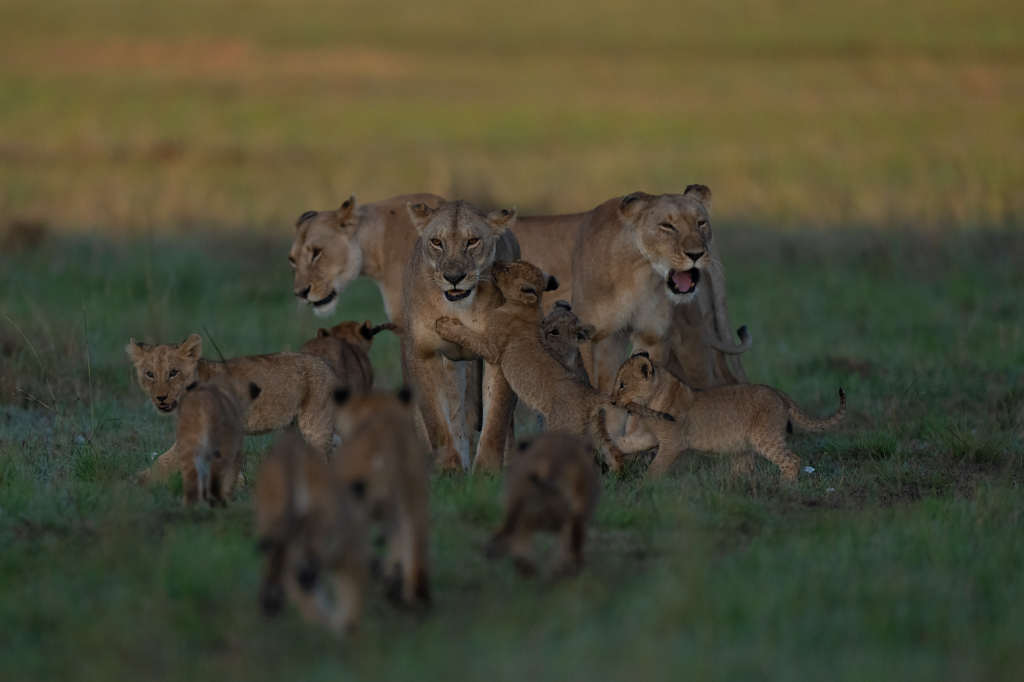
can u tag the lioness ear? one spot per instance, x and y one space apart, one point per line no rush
699 192
502 220
552 283
585 332
348 208
304 217
367 331
632 204
254 391
136 350
191 348
322 333
341 395
420 214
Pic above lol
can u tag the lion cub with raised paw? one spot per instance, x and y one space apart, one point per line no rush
313 537
345 347
552 487
726 419
296 387
513 341
210 435
383 461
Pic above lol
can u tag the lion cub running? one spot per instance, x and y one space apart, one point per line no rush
313 537
552 486
728 419
383 461
345 348
513 342
210 435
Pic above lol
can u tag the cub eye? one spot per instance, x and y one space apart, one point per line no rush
173 374
668 226
149 375
436 242
553 332
472 242
316 254
622 385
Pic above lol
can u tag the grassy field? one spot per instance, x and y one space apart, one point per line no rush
899 557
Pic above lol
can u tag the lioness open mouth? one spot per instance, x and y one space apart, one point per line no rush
324 301
457 294
683 281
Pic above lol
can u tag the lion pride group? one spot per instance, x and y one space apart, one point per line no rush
492 309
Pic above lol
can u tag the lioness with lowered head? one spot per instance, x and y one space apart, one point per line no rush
295 387
345 347
511 339
726 419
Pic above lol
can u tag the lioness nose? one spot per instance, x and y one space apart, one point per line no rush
694 256
456 278
303 293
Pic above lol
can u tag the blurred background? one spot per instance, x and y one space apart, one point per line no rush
128 117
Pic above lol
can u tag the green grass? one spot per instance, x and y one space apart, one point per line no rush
900 557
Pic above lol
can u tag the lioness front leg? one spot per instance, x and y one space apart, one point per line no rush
443 421
499 403
453 331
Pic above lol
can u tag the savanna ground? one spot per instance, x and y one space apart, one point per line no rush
866 162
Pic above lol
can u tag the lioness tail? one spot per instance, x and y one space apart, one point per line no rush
729 349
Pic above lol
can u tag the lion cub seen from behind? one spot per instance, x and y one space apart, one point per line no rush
345 348
313 537
383 461
726 419
552 486
210 436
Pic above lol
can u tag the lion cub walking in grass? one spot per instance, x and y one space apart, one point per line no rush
553 487
313 537
210 435
727 419
513 341
383 461
345 347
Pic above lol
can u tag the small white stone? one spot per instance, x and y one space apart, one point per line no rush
830 490
808 470
152 455
79 438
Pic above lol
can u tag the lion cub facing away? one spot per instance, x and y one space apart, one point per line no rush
210 435
345 348
313 537
384 462
552 486
513 341
727 419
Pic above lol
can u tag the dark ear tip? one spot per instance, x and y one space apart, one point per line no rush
405 395
322 333
341 395
192 385
306 216
552 283
563 304
254 390
523 445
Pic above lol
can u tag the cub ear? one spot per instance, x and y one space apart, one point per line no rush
347 210
304 217
367 330
191 386
699 192
563 304
420 214
136 350
585 332
552 283
640 353
192 347
523 445
632 204
404 395
341 395
646 370
502 220
322 333
254 391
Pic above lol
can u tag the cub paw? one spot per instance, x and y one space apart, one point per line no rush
446 324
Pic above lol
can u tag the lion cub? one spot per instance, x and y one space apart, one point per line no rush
383 461
513 342
313 537
295 387
345 348
210 435
728 419
563 336
553 487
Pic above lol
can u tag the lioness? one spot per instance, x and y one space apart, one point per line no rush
295 387
345 347
448 274
727 419
209 437
511 339
383 462
553 487
313 537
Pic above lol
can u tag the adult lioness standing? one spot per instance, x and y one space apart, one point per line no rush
448 275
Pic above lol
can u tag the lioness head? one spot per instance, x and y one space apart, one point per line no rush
521 281
563 331
673 232
633 380
166 370
458 241
326 256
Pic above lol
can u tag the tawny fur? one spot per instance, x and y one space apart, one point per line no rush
313 536
724 419
345 347
552 486
383 460
512 340
563 336
209 436
295 387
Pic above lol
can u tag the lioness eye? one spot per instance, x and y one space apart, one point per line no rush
149 375
472 242
436 242
173 373
316 254
669 226
702 223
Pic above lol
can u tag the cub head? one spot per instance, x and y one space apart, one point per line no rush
633 382
352 410
358 334
458 242
563 331
673 232
326 255
165 371
522 282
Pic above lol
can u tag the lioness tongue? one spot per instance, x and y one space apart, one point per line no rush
682 280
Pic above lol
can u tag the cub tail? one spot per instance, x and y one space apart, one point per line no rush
810 423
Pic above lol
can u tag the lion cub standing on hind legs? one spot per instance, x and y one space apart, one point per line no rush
728 419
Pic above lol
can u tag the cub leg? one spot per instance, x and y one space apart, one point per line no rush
453 331
608 355
741 463
570 556
520 547
773 447
668 453
316 424
347 586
